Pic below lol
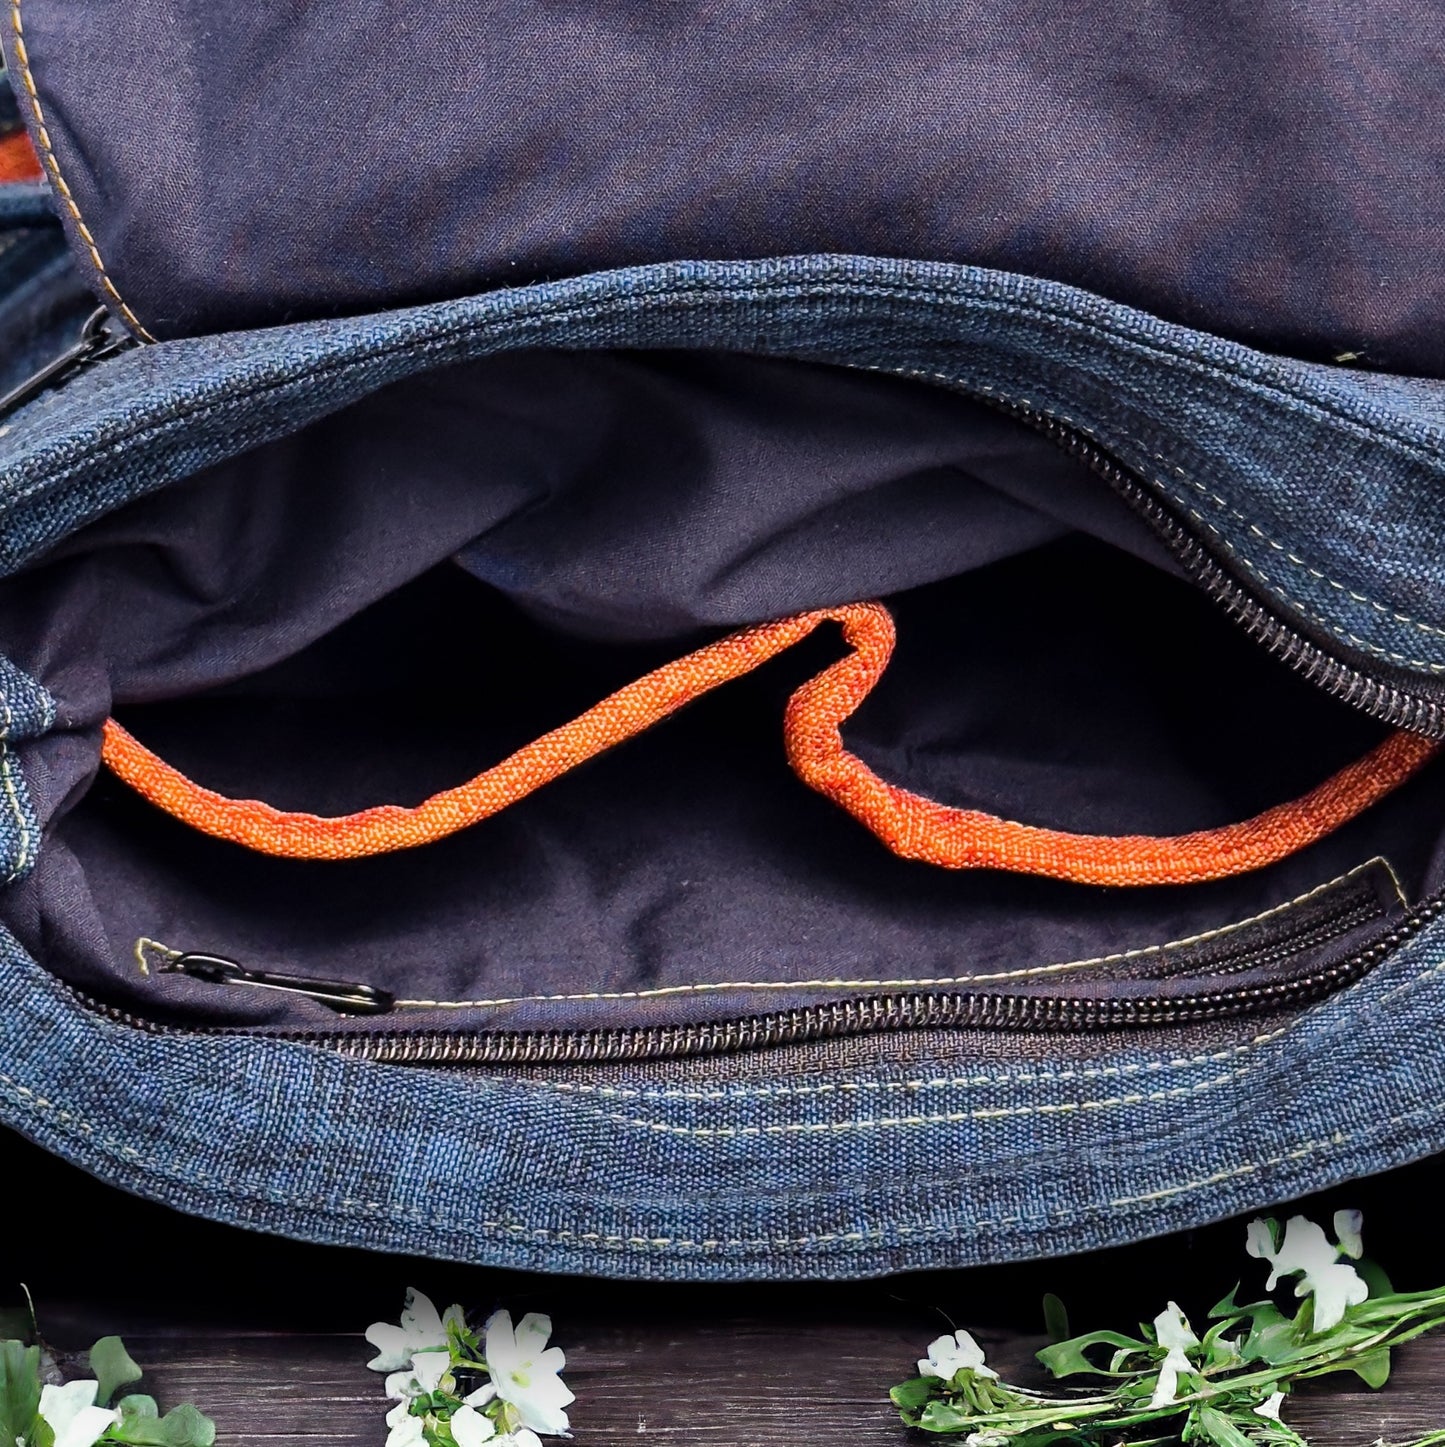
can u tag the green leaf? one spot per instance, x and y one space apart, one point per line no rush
187 1426
113 1368
19 1391
1214 1426
1374 1370
1271 1336
940 1416
1056 1319
141 1425
1227 1307
1374 1277
1067 1358
17 1323
910 1396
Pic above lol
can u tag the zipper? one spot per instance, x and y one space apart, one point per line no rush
870 1015
1370 694
344 996
99 338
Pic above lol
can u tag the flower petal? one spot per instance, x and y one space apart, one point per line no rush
1259 1241
500 1341
1270 1408
553 1360
532 1332
1166 1392
1347 1232
71 1413
430 1368
470 1428
409 1432
392 1345
481 1396
419 1317
970 1355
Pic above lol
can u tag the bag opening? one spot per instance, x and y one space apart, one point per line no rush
426 582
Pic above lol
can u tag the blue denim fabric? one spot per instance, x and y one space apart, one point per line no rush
1322 484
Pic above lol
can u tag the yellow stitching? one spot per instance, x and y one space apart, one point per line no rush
7 767
1292 557
52 165
1030 972
983 387
899 1122
913 1087
1249 1168
31 1100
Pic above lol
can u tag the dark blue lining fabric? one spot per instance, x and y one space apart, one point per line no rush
384 603
1250 167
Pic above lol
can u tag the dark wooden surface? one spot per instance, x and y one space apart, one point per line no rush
265 1336
730 1382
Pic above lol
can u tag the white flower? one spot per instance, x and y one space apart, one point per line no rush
470 1428
1175 1335
421 1330
986 1439
950 1355
1271 1407
406 1430
71 1413
525 1371
520 1438
1347 1232
420 1379
1306 1252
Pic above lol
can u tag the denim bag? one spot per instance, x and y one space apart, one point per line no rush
716 645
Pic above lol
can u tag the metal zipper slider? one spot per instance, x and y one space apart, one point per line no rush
345 996
99 338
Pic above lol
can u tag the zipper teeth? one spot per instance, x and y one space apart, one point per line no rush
1372 696
885 1013
1321 932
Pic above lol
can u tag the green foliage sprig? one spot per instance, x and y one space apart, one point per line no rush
1226 1388
38 1409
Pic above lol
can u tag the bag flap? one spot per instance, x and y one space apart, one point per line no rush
1249 168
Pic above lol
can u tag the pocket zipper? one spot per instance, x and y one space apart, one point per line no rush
99 338
872 1015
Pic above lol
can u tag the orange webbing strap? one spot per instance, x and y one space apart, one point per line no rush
18 161
910 825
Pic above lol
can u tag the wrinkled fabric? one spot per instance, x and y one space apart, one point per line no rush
1259 169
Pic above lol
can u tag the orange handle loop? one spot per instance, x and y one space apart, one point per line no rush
18 161
909 824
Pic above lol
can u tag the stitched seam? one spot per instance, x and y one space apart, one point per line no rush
52 164
1308 612
1164 487
916 1086
691 293
905 1122
7 773
1030 972
30 1100
1294 558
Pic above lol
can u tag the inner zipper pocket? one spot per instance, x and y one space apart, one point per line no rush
1322 943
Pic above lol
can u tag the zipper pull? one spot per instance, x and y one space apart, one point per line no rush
346 997
99 338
